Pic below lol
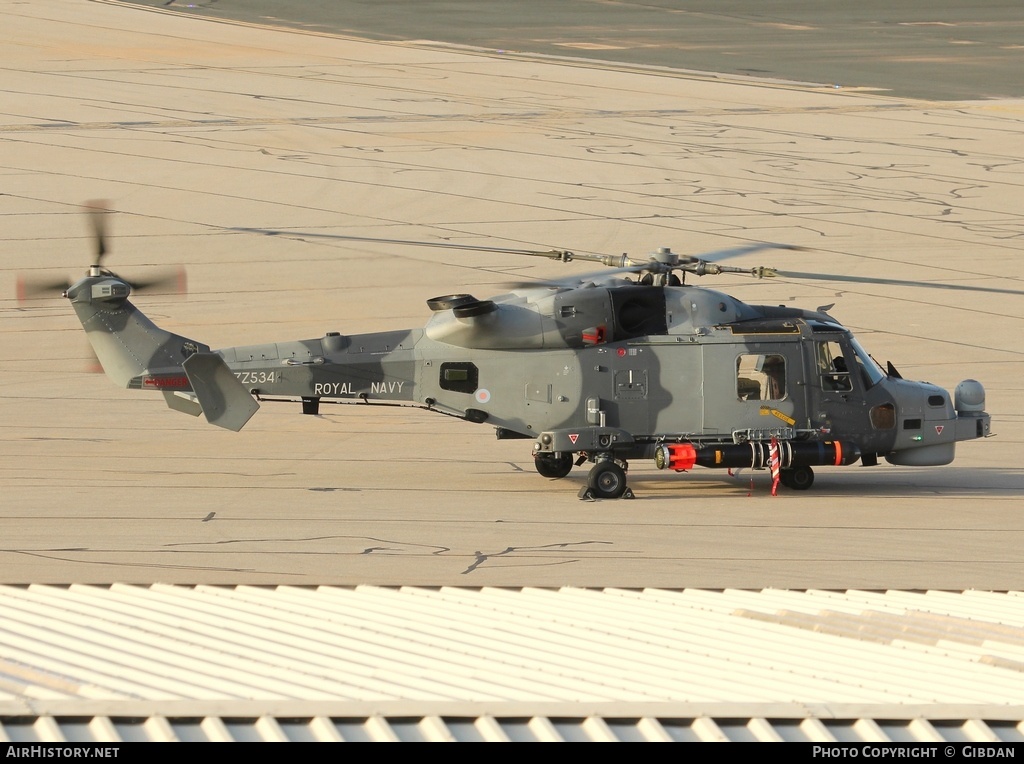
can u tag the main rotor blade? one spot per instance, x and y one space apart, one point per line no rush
698 266
553 253
745 249
564 255
893 282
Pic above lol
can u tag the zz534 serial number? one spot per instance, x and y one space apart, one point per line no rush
258 377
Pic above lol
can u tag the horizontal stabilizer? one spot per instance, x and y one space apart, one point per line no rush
224 400
186 402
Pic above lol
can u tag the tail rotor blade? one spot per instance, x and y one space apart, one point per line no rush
166 281
98 210
33 288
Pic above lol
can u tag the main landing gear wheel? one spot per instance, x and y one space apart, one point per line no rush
797 478
607 480
556 465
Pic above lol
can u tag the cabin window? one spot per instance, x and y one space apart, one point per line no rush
760 377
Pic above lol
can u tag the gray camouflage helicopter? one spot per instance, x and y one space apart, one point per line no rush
601 369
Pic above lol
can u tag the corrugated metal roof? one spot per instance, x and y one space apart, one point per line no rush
216 662
482 728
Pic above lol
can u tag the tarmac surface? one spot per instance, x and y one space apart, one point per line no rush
935 49
195 128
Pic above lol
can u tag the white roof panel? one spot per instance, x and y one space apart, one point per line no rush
376 663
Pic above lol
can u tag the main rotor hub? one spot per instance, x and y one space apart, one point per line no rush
665 256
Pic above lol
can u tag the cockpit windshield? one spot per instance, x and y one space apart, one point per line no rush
870 371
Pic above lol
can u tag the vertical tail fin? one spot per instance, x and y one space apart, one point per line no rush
136 353
128 345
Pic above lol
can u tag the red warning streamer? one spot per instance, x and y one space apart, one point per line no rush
773 463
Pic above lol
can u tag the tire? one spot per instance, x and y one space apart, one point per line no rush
797 478
556 465
607 480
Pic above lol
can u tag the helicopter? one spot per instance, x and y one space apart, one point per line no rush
605 368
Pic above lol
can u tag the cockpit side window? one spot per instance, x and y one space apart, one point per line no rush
760 377
832 368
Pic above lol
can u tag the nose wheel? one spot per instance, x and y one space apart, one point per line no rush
556 465
797 478
607 480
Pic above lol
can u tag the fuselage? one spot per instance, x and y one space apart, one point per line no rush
612 366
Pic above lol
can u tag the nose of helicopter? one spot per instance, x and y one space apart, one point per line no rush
928 424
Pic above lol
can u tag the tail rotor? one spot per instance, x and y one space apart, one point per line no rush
162 280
